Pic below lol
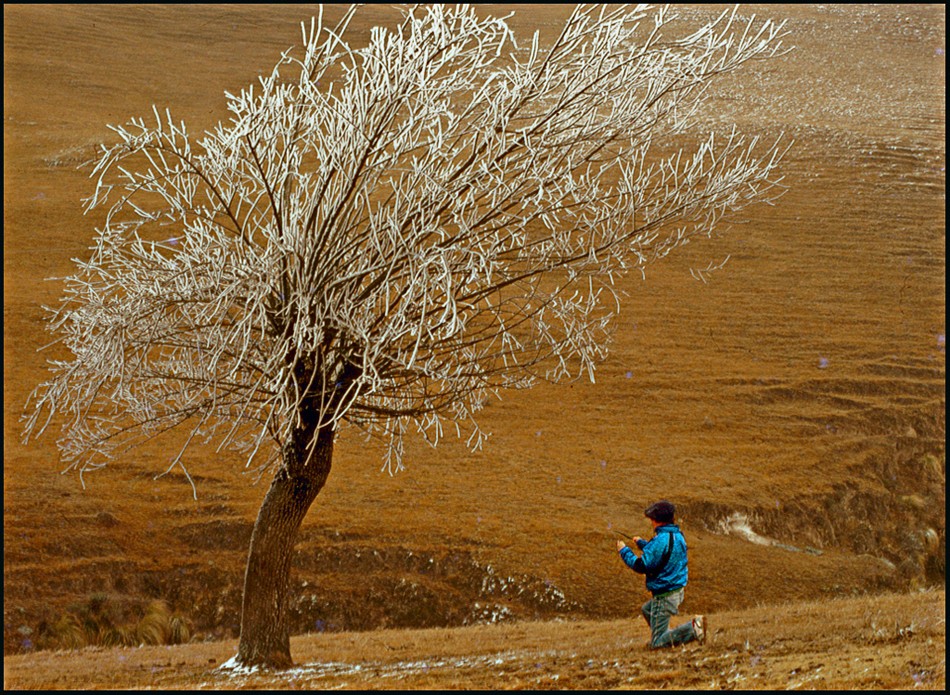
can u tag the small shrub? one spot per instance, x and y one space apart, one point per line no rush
97 603
109 636
67 633
913 501
154 627
96 622
179 631
933 467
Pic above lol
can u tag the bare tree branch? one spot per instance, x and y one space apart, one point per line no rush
444 219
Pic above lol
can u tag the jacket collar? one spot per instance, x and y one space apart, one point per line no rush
667 528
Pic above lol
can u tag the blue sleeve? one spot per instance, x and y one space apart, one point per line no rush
631 560
652 552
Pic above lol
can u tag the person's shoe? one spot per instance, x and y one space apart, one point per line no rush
699 627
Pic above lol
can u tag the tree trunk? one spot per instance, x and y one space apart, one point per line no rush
265 637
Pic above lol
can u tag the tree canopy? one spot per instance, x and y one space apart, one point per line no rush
389 235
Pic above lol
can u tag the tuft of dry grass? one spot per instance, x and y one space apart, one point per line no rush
153 628
179 630
99 622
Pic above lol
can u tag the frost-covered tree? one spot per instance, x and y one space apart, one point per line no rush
383 238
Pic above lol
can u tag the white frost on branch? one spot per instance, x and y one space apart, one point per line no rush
704 273
388 236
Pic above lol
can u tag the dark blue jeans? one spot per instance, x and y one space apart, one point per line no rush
657 612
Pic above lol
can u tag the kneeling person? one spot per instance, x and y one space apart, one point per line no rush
664 562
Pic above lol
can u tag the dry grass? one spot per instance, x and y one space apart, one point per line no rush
881 642
803 386
101 622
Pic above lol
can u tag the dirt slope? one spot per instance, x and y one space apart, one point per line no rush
799 393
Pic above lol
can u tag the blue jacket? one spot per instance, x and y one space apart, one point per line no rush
675 574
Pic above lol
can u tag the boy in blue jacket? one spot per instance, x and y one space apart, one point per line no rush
664 562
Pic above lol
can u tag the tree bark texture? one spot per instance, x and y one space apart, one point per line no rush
265 637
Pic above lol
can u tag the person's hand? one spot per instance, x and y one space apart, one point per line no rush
620 545
637 539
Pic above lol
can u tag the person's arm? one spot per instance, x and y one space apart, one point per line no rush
629 557
654 553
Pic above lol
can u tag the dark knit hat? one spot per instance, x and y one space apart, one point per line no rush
661 511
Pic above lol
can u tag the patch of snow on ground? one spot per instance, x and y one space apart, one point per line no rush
233 667
308 673
738 524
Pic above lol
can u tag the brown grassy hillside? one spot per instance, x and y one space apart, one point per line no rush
891 641
800 391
